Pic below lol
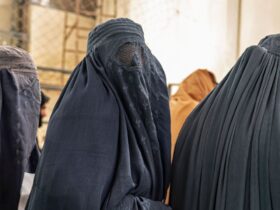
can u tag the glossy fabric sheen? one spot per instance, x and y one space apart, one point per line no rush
19 111
108 140
227 155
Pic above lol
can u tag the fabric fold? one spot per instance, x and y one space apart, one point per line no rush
225 156
108 140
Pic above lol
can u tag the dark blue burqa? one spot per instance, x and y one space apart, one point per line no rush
228 152
19 111
108 140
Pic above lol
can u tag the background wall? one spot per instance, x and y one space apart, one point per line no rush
5 11
186 35
190 34
259 18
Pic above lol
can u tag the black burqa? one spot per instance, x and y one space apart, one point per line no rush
228 152
19 111
108 140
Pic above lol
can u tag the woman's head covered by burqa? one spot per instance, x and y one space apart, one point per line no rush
108 140
19 111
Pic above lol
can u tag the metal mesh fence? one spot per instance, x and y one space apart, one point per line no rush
13 27
55 31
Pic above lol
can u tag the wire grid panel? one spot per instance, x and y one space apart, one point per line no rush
13 23
56 36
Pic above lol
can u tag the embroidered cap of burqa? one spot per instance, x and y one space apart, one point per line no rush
108 140
19 111
227 155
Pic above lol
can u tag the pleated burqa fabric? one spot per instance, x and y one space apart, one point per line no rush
19 111
108 140
227 155
191 91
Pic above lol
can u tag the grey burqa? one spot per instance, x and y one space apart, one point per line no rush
108 140
228 152
19 111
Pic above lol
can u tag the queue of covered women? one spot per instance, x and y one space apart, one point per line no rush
112 134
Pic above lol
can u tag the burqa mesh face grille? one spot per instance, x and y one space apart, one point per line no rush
130 54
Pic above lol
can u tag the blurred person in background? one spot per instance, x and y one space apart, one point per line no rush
43 113
191 92
19 111
43 108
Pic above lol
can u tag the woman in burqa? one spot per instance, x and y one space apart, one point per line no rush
108 140
227 155
191 91
19 111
